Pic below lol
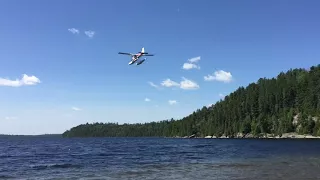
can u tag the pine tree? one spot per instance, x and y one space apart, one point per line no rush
267 106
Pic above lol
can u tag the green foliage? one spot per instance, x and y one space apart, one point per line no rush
268 106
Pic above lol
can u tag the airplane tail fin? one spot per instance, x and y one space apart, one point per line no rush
142 50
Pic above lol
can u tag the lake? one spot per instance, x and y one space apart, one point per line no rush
159 158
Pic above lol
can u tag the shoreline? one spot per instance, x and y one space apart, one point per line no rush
261 136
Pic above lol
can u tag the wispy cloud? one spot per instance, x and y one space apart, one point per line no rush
195 59
153 85
169 83
185 84
76 109
191 63
172 102
89 33
24 81
221 95
147 99
74 30
220 75
188 84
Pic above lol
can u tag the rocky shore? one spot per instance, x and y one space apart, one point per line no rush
264 136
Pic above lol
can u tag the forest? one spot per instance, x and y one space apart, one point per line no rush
287 103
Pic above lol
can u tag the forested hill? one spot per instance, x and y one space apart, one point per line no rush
289 102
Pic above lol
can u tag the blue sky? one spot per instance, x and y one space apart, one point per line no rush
73 78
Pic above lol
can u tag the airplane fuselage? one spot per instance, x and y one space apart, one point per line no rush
134 58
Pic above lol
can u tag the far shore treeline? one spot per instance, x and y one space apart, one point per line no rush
287 103
36 136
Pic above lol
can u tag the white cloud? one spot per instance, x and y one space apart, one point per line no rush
188 84
221 95
172 102
220 75
24 81
90 34
10 118
74 30
169 83
153 85
184 84
147 99
76 109
194 60
188 66
209 105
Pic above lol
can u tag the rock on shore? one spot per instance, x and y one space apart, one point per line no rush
270 136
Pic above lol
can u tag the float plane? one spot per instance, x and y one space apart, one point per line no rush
135 57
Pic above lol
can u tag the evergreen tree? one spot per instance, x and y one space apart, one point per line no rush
267 106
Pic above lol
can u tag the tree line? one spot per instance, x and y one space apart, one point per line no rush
289 102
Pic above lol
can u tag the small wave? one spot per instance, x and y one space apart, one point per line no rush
109 154
6 177
41 167
237 165
6 156
202 146
100 154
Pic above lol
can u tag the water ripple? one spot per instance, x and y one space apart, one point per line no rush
158 158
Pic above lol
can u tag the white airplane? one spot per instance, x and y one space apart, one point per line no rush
135 57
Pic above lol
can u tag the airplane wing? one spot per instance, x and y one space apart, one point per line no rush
125 53
148 54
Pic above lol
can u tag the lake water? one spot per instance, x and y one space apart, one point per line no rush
159 158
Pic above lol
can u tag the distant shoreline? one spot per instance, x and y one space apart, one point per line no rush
239 136
40 135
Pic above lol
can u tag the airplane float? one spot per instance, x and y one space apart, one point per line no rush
135 57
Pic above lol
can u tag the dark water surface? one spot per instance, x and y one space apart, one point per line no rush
159 158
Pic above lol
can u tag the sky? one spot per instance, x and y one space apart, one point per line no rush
60 65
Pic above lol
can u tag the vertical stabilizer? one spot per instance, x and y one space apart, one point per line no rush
142 50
